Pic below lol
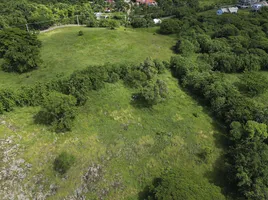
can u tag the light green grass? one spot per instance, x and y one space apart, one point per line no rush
133 145
64 51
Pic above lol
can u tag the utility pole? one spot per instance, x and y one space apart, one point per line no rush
77 20
27 27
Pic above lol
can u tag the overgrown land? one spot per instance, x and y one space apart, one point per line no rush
123 108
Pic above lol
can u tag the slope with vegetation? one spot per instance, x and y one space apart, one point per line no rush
121 128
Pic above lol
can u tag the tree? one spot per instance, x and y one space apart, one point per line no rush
59 111
20 50
253 83
154 92
170 26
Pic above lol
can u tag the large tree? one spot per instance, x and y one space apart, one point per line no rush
20 50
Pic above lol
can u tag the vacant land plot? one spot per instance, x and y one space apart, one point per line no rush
64 51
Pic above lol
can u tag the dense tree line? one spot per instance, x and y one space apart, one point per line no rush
40 16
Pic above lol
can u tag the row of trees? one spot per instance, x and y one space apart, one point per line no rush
59 99
246 120
41 16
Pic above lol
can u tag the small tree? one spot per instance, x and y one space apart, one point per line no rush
63 162
59 111
154 93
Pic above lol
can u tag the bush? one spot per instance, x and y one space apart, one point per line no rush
59 111
8 100
63 162
139 23
170 26
154 93
80 33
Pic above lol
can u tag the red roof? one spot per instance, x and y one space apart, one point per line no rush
146 1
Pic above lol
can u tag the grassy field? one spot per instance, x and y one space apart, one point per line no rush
64 51
131 144
127 145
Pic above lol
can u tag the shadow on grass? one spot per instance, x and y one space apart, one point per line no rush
139 102
41 118
148 192
220 177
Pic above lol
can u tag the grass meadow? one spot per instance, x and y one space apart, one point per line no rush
63 51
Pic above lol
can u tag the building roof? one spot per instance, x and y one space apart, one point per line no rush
146 1
233 9
224 10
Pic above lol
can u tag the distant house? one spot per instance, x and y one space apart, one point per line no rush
246 3
157 21
227 10
147 2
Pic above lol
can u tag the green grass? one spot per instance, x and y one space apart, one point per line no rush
132 144
64 51
234 79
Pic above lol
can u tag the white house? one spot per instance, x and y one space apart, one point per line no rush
157 21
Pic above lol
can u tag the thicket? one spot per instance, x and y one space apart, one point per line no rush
229 43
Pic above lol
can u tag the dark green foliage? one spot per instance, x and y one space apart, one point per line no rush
185 47
154 92
8 100
63 162
80 33
182 184
139 23
20 50
170 26
138 75
59 111
253 83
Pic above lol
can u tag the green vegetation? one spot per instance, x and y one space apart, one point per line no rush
58 110
63 162
62 49
182 184
112 99
20 50
126 140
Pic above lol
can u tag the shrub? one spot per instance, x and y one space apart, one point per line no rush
80 33
1 108
63 162
139 23
154 93
59 111
8 100
170 26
